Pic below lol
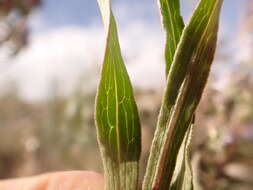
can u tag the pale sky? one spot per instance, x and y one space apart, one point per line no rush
85 12
67 41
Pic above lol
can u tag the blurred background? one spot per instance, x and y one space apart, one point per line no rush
50 57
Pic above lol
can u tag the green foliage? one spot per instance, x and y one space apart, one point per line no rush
185 84
189 54
184 177
116 114
174 25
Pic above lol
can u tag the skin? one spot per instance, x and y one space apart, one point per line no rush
73 180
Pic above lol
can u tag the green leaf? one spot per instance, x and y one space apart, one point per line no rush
174 25
183 170
186 81
117 117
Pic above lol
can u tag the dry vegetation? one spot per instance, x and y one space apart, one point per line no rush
59 134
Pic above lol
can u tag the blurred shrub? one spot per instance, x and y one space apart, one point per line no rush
13 24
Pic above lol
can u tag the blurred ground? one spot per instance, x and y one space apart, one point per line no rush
58 132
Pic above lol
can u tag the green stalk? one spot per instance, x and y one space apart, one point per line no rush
185 84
